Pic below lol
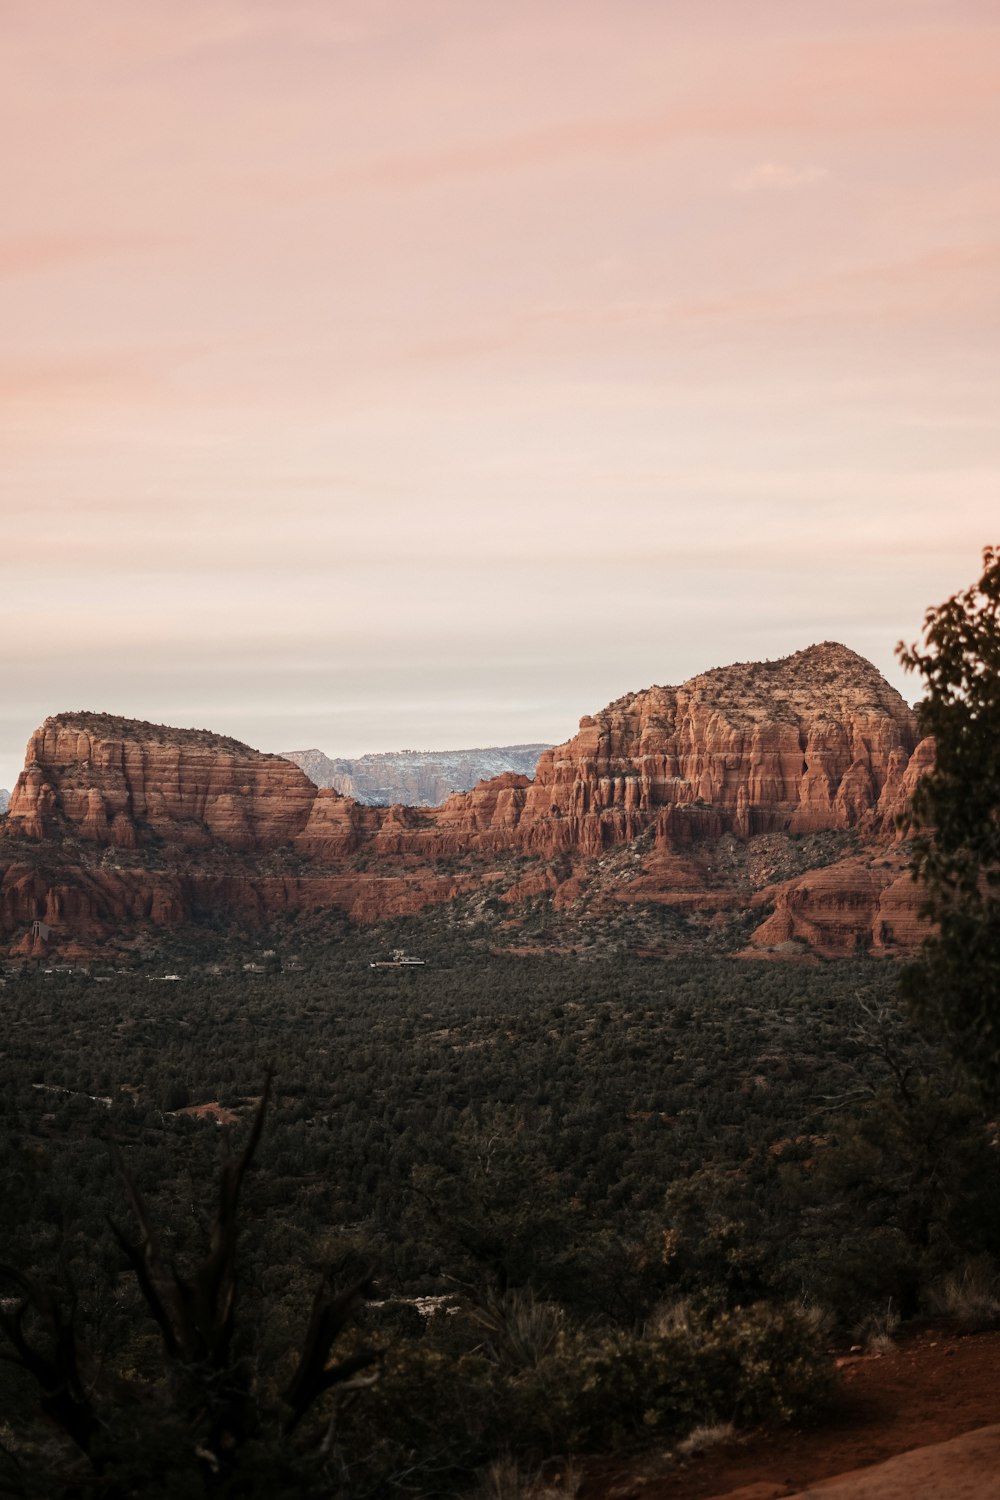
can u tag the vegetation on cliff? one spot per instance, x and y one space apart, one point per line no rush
117 727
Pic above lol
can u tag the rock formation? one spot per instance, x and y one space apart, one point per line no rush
864 903
121 782
817 740
115 822
418 778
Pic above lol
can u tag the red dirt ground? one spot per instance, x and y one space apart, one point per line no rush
936 1385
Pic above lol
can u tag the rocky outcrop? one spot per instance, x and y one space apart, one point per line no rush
114 821
867 903
418 778
124 783
816 740
101 904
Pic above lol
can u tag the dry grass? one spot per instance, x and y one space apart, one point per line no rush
708 1435
504 1480
818 1318
970 1296
877 1331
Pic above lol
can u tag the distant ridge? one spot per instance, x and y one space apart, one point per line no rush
416 778
4 799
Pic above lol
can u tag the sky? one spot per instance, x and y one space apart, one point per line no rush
428 373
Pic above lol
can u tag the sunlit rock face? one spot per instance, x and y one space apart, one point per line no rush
131 822
816 740
121 782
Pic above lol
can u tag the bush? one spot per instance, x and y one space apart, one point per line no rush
433 1413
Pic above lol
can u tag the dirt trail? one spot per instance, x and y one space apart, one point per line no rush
935 1386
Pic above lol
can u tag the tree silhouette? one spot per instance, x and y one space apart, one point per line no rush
955 819
207 1407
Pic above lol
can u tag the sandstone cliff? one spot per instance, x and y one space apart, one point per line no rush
863 903
817 740
115 822
118 781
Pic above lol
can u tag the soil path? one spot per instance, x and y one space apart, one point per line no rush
935 1386
964 1468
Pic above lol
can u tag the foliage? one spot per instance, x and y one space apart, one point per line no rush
956 818
558 1147
199 1425
445 1404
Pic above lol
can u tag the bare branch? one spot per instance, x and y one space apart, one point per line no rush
64 1397
328 1317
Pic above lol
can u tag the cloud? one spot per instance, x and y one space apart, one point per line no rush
24 255
767 176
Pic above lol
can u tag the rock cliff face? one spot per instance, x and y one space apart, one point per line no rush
417 778
817 740
115 822
120 782
861 903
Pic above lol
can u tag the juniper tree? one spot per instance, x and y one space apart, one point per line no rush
955 822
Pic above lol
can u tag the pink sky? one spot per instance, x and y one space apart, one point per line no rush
430 372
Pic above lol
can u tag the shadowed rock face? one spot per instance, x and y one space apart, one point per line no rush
817 741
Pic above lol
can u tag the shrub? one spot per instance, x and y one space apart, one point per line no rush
505 1480
519 1328
970 1296
877 1330
435 1412
759 1364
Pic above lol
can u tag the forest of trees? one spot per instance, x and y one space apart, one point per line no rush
650 1192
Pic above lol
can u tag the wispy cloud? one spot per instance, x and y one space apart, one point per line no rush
287 317
27 254
780 176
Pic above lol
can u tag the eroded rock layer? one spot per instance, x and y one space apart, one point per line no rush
121 782
115 822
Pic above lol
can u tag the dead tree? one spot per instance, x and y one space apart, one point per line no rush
51 1355
196 1314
